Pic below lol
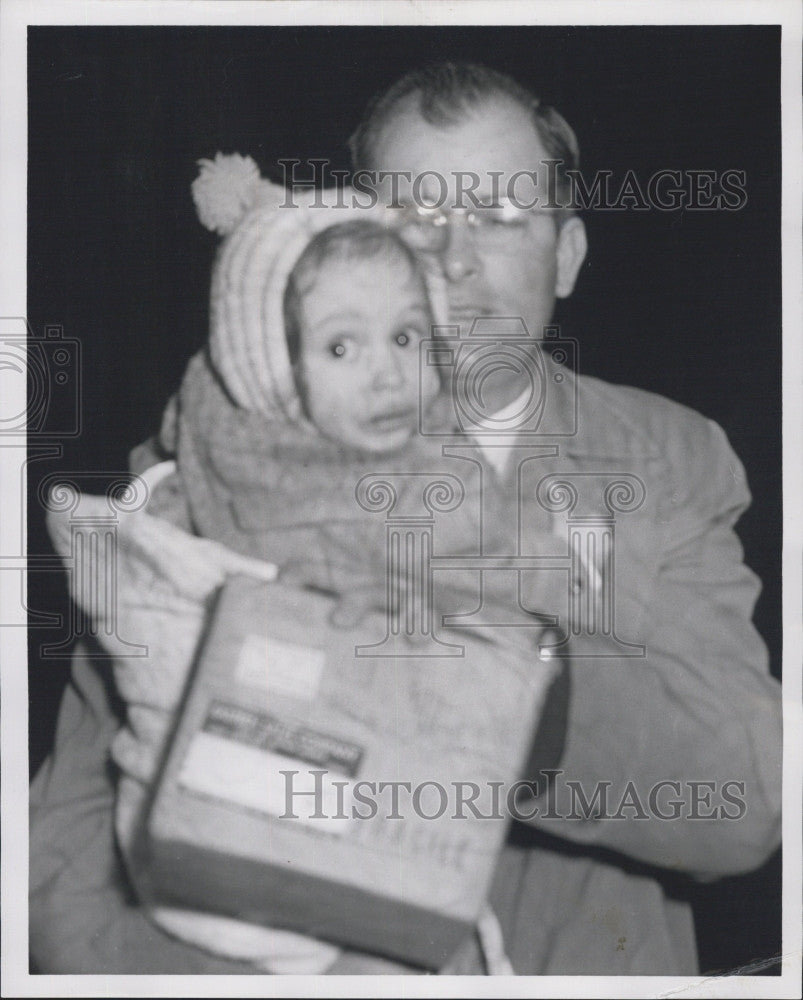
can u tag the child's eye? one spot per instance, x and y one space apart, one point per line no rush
405 337
339 348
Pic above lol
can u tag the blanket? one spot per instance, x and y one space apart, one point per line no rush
325 514
165 581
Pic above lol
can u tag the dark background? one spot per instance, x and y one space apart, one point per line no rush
683 303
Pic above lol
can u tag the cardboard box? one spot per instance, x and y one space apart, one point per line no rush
270 805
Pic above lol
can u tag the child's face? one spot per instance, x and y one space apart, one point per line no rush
361 324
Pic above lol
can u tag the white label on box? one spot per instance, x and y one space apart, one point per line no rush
251 778
283 667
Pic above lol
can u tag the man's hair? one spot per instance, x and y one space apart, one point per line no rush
447 93
347 241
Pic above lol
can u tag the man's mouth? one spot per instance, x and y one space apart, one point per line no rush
467 312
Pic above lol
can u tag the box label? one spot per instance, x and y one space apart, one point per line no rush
267 732
239 757
279 666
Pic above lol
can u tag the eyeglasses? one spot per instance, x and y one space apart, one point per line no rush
501 224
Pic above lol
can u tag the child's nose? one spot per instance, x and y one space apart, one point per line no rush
388 371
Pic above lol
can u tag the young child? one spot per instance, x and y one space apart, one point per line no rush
281 486
311 380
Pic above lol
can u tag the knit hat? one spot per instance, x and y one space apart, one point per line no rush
266 228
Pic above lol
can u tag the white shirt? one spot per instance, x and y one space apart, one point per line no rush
497 449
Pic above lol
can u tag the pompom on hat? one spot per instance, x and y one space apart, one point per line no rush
224 191
266 228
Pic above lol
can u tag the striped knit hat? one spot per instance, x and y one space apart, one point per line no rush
265 232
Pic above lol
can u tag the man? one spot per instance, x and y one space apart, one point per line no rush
574 892
579 895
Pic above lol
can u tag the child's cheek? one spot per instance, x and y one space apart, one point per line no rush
430 384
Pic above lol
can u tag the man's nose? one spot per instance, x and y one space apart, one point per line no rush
459 258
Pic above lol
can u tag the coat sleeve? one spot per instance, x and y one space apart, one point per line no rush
82 916
700 707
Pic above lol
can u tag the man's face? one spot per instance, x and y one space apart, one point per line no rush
519 275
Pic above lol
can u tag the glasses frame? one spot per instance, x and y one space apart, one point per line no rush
439 221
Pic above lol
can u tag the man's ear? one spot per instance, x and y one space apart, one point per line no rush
571 252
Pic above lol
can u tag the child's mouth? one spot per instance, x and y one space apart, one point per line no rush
392 420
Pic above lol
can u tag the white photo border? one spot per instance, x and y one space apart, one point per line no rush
15 16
